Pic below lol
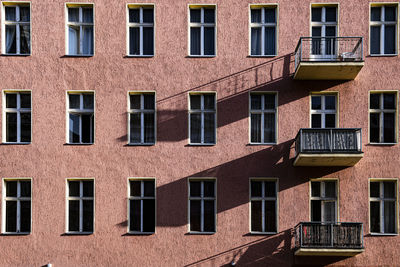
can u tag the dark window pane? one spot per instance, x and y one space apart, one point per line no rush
315 210
375 40
375 217
375 101
330 189
255 15
25 39
195 188
87 215
148 188
194 41
148 16
316 42
11 127
25 225
316 14
74 101
316 121
135 101
270 15
73 14
25 100
375 13
330 42
209 41
330 102
316 102
11 216
270 216
73 215
269 101
255 101
195 15
11 44
256 188
209 216
148 41
209 128
149 135
11 188
389 101
87 15
25 188
256 41
269 128
388 128
374 132
87 188
390 221
11 100
195 128
195 214
315 189
148 215
330 120
209 188
10 13
74 190
256 214
209 15
24 13
374 189
87 128
270 189
134 215
330 14
135 128
255 128
390 39
195 101
389 189
390 13
136 188
209 101
134 15
134 41
25 127
88 100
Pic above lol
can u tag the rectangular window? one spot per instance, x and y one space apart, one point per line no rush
263 118
17 120
323 111
382 117
323 25
383 30
202 206
141 30
80 206
17 206
264 205
202 118
142 118
16 28
80 30
263 30
324 201
383 206
81 118
142 206
202 30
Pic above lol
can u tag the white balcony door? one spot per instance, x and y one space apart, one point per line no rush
323 26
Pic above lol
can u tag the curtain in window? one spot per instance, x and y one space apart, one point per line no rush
209 127
24 14
329 211
10 39
149 128
194 41
269 127
148 41
25 36
256 128
88 40
73 40
256 41
74 128
255 15
209 41
135 128
269 45
195 128
389 210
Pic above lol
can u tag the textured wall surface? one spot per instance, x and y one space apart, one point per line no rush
232 74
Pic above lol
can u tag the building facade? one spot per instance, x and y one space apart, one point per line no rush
183 133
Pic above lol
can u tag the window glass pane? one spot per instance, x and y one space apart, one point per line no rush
195 212
375 40
11 127
270 216
148 215
87 188
390 39
374 127
87 215
330 102
134 41
134 15
25 188
74 101
149 131
255 15
87 128
374 189
25 100
270 15
374 101
209 216
330 14
135 128
256 41
73 215
389 189
10 13
209 188
195 187
316 14
375 217
269 127
316 121
73 188
209 101
148 101
209 128
195 15
316 102
11 100
256 188
87 15
390 221
269 101
73 14
330 120
135 188
270 189
148 188
255 128
209 15
375 13
329 211
255 101
25 39
195 128
25 127
11 216
25 225
256 215
315 210
195 101
11 44
148 15
388 128
134 101
269 41
209 41
330 189
87 42
315 189
24 13
316 42
88 101
194 41
11 188
390 13
148 41
389 101
134 215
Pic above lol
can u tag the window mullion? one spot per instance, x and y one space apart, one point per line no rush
202 118
141 205
141 118
262 117
262 31
382 40
202 206
18 207
80 206
202 31
381 117
263 206
18 118
382 206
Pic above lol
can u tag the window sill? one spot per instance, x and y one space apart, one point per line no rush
383 55
140 233
16 55
266 56
200 56
16 143
78 56
141 144
383 234
263 233
213 144
78 144
12 233
139 56
262 144
382 144
200 233
78 233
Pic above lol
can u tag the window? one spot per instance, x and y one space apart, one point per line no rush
16 28
383 207
17 117
142 206
263 118
383 30
323 25
202 31
382 117
141 30
264 206
263 30
323 111
202 206
324 201
80 30
80 206
81 118
17 206
142 118
202 118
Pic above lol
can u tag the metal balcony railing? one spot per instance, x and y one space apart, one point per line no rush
328 49
328 140
320 235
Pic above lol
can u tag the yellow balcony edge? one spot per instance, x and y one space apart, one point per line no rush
327 252
327 159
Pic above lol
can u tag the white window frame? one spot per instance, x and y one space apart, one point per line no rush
201 25
382 25
18 199
264 111
17 110
202 111
140 25
381 112
263 25
80 198
80 111
141 198
202 198
324 111
381 199
79 24
17 5
263 198
142 111
323 198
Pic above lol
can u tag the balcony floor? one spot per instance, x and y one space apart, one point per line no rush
335 70
327 252
327 159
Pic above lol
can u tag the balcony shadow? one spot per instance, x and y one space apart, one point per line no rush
305 261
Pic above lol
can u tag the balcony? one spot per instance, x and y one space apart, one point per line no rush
328 58
328 147
328 239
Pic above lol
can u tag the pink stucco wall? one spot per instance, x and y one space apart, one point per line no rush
232 74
